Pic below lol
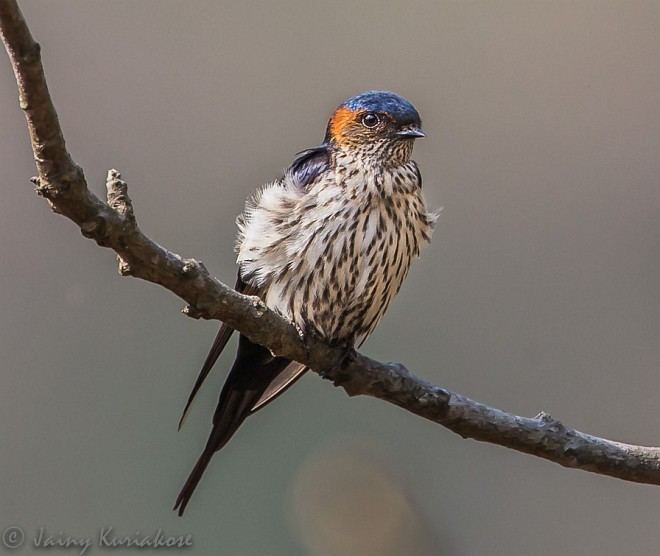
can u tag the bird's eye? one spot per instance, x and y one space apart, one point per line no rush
370 120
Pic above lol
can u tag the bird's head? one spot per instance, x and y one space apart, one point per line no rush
375 124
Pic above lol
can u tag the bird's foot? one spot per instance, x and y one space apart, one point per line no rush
345 356
301 332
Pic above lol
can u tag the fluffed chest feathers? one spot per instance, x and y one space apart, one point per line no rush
333 258
352 264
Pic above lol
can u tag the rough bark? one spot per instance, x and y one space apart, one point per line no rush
111 223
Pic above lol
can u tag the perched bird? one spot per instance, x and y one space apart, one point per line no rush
327 246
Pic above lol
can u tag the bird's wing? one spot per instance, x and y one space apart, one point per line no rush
219 344
309 165
292 372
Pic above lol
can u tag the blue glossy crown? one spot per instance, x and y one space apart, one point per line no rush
385 101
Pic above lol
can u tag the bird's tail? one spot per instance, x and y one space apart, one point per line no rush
192 482
220 435
256 378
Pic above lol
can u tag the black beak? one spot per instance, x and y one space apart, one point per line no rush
410 133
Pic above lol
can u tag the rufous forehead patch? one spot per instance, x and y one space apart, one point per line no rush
340 120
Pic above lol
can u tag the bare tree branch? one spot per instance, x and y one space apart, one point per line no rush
112 224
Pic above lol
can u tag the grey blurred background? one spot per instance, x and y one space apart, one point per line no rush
541 288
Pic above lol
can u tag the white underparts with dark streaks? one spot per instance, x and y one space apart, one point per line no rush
332 256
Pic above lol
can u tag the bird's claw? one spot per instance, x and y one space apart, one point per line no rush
348 355
301 332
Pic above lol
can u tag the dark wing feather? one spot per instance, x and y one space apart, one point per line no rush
219 344
308 165
280 383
